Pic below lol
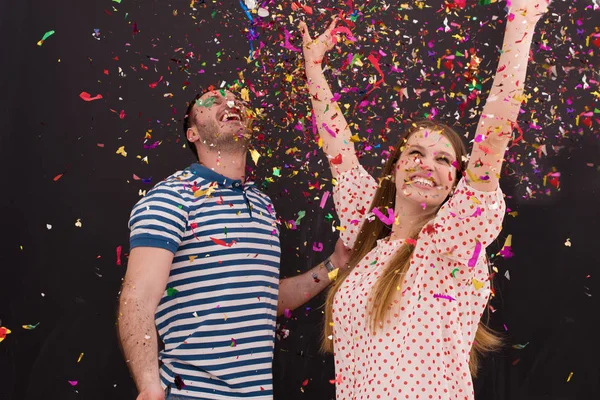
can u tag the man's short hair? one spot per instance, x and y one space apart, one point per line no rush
189 122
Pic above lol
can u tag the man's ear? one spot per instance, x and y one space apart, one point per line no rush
192 134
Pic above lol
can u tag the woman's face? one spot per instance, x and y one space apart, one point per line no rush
425 173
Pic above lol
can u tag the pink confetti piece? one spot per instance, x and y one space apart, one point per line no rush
119 249
287 44
386 220
332 133
324 199
155 84
287 313
477 212
475 257
73 383
444 296
318 246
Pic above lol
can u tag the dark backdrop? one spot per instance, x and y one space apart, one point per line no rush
67 190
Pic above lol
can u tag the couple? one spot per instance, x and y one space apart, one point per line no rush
403 313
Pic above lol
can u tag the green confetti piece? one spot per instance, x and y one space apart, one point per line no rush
30 327
225 231
454 272
276 171
206 102
46 36
301 215
172 291
329 216
117 1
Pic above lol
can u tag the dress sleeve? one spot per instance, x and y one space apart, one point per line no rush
352 197
466 224
159 219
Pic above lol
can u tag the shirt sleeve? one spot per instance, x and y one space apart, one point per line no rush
466 224
352 197
159 219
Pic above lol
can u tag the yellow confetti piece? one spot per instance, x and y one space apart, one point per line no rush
570 376
80 357
204 192
508 241
245 94
192 258
333 274
121 151
477 284
255 156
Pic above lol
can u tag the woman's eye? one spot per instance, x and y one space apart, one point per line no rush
417 152
444 160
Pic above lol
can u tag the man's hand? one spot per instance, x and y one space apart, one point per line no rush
154 392
341 255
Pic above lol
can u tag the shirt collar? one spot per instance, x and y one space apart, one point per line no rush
223 181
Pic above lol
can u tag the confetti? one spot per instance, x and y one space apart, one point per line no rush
85 96
46 36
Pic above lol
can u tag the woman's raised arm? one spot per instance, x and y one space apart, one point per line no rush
329 118
503 104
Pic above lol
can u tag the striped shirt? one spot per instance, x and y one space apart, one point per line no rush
217 315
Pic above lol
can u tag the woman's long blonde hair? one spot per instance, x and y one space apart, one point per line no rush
386 288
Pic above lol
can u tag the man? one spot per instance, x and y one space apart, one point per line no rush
204 270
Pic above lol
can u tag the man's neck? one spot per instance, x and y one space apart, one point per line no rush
230 165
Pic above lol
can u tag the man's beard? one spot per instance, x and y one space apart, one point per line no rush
228 142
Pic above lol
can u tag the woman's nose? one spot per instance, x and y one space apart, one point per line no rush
425 163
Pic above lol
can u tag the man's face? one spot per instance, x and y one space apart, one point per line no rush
220 122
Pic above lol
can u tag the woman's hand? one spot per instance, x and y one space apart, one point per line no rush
531 10
315 50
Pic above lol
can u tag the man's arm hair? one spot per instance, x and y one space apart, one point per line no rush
145 282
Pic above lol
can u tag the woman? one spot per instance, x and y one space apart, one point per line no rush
404 318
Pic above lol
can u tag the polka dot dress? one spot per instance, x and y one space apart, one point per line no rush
422 352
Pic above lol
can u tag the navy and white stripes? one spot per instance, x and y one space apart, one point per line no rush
217 316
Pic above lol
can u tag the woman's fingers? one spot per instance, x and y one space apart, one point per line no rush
332 25
305 34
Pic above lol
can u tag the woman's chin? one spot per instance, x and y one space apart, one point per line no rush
424 198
